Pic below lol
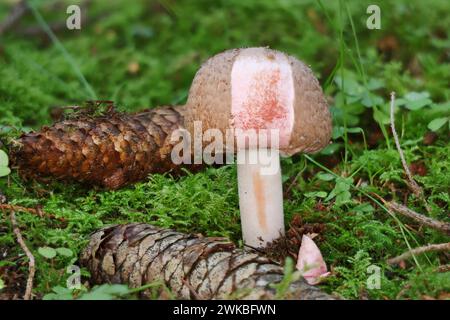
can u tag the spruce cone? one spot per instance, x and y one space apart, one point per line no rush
111 150
192 267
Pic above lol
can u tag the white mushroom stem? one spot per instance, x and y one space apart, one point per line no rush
260 196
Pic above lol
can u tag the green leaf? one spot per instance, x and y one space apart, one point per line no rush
343 198
325 176
51 296
364 207
437 123
341 191
316 194
419 104
441 107
4 161
105 292
337 132
417 100
355 130
400 102
331 148
380 116
415 96
59 293
4 171
47 252
375 84
2 284
64 252
370 100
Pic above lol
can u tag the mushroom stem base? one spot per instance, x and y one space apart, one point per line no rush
260 196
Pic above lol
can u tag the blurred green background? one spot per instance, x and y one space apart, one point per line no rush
166 42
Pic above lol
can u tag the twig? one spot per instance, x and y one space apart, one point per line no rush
17 12
412 183
427 221
31 262
292 183
420 250
44 25
38 212
407 212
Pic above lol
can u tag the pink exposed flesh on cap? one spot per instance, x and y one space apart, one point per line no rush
262 94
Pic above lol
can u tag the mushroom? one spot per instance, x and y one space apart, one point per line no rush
275 97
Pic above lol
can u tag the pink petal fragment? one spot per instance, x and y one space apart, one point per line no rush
310 262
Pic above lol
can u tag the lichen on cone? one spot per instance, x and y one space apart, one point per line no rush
109 150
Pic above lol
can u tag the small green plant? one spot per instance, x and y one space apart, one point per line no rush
4 164
436 285
355 275
108 292
290 275
414 100
438 123
103 292
61 293
341 192
50 253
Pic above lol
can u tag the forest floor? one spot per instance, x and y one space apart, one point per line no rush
141 54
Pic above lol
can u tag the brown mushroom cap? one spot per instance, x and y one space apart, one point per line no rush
210 99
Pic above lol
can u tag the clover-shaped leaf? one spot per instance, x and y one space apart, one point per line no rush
437 123
47 252
417 100
64 252
4 162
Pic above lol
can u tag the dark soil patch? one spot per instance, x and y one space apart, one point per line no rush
289 244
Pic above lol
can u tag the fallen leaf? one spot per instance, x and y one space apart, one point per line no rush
310 262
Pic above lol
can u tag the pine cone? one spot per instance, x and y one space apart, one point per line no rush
110 150
192 267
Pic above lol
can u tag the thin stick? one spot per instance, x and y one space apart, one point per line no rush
412 183
429 248
61 25
31 261
427 221
43 24
12 207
